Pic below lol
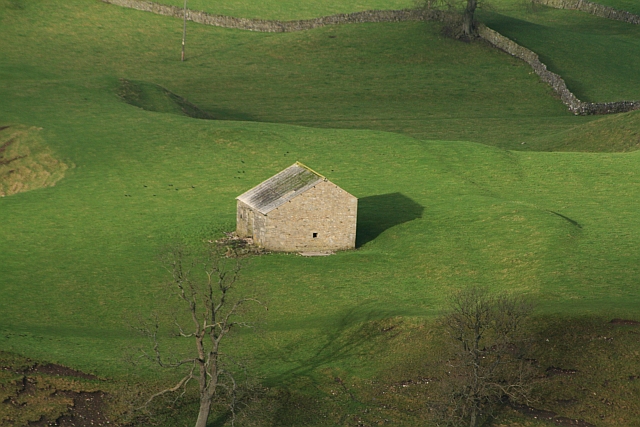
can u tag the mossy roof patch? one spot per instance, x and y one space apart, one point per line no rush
280 188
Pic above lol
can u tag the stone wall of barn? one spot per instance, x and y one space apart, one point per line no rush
322 218
244 220
260 230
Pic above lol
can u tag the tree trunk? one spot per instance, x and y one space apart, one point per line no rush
473 419
203 414
468 27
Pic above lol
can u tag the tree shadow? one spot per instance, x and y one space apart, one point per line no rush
360 331
353 335
379 213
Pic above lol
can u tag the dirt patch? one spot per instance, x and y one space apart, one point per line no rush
26 163
48 394
624 322
86 410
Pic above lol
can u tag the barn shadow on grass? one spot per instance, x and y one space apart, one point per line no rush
379 213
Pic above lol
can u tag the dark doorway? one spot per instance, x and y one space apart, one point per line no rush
379 213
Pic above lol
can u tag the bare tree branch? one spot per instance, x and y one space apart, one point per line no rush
486 367
182 383
206 287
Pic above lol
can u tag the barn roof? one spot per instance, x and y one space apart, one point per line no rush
280 188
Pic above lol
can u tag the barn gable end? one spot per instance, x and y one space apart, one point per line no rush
298 210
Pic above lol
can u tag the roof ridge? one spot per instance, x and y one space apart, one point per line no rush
281 187
309 169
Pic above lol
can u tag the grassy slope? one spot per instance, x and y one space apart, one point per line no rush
614 133
372 76
597 57
289 9
478 203
80 257
308 78
77 258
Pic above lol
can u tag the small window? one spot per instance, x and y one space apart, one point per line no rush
315 235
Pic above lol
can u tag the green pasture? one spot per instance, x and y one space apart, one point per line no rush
400 77
441 141
611 133
79 259
596 57
81 255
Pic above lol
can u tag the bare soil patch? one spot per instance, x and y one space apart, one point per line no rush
33 394
86 410
26 163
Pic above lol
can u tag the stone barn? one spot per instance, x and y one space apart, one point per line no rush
298 210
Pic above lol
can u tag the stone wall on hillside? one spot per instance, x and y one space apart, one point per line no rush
592 8
554 80
496 39
275 26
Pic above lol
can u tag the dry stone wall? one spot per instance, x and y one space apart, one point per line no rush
274 26
554 80
496 39
592 8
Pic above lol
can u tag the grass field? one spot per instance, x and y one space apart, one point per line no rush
299 79
386 111
595 56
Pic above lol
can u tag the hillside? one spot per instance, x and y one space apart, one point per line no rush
467 169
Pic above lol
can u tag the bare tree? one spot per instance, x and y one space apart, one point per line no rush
205 287
459 17
486 367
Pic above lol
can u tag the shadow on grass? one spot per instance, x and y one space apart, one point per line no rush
379 213
153 97
355 333
302 391
220 420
